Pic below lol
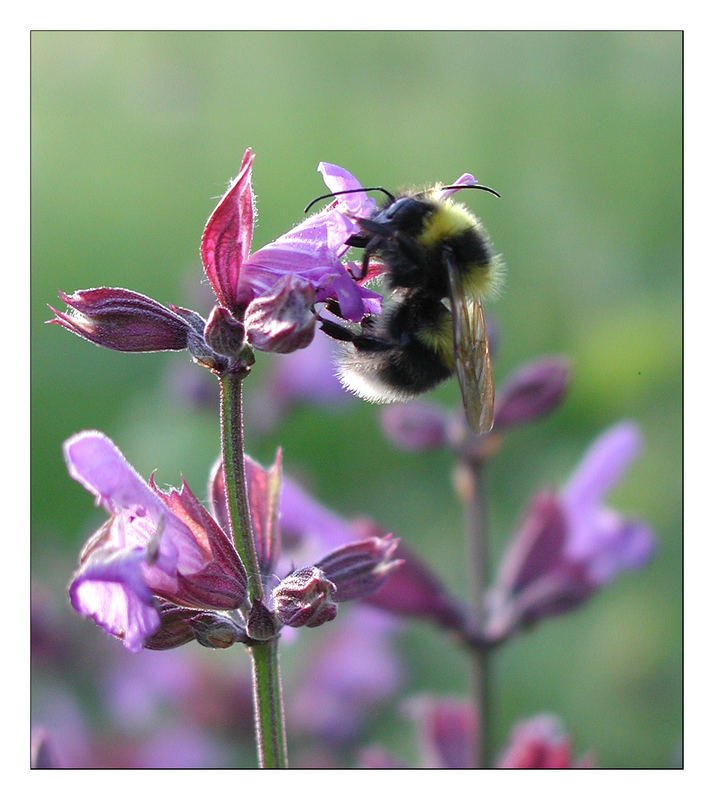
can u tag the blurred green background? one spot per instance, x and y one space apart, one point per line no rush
135 135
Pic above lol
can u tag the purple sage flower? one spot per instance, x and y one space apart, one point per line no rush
446 730
287 276
154 545
413 590
569 544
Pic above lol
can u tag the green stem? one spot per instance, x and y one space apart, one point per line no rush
471 490
268 706
267 693
234 470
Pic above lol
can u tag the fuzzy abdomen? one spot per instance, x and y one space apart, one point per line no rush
414 352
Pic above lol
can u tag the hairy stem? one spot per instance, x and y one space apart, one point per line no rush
267 693
234 470
268 706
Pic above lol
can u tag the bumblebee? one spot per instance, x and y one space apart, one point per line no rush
439 262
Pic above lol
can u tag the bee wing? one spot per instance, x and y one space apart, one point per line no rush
471 356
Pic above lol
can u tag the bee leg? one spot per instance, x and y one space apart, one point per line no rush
372 343
359 340
337 331
358 241
368 250
375 228
333 307
369 243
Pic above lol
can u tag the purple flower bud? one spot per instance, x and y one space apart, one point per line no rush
534 391
174 628
215 630
540 743
261 624
284 319
358 569
224 333
122 320
447 731
415 426
305 598
228 235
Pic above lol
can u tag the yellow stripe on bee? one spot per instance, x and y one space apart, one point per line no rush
485 281
448 219
451 219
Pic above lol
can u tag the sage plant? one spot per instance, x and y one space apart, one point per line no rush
163 570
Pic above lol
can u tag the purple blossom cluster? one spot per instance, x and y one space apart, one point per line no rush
164 570
266 299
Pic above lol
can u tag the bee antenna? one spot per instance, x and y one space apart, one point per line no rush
349 191
470 186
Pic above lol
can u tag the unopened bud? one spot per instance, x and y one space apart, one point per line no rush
305 598
224 333
174 629
120 319
359 568
534 391
216 630
284 320
261 624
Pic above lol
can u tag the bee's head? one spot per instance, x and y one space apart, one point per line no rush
406 214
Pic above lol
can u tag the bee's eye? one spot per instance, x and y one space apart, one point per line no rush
393 210
407 212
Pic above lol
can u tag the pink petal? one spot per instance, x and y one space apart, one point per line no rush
228 234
